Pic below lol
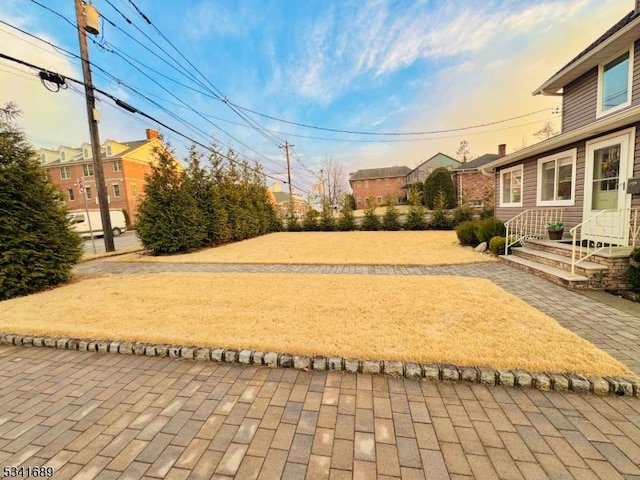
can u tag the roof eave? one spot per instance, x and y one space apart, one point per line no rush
553 85
618 120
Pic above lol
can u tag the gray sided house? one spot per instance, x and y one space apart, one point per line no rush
422 171
588 176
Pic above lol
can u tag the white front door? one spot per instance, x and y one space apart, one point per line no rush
609 165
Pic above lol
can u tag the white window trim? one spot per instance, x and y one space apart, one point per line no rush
509 170
599 111
573 153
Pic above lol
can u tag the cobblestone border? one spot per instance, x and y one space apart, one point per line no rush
416 371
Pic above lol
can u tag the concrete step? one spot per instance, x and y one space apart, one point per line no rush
556 275
560 261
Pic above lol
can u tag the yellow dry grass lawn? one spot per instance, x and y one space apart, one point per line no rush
335 248
464 321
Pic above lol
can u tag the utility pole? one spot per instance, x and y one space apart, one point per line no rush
286 150
92 114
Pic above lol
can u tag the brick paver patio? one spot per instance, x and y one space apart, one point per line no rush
93 415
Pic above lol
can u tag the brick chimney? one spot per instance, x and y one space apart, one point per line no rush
151 133
502 148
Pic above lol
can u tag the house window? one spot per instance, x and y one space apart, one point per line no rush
399 181
62 156
87 170
108 150
116 190
117 166
88 192
511 187
366 184
614 83
71 195
557 179
476 203
386 182
359 201
378 182
134 190
85 152
65 173
379 200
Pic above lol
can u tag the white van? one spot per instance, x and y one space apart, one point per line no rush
79 222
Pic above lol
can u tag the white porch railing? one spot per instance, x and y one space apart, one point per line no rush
605 230
531 223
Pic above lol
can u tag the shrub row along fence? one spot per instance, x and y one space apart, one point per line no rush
199 206
416 218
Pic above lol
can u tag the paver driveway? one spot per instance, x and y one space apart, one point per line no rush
94 415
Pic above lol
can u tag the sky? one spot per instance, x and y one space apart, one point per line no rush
204 67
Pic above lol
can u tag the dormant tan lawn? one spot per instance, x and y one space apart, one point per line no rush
360 248
464 321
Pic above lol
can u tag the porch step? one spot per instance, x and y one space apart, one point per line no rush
560 261
553 274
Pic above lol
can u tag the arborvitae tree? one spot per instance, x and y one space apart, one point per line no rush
199 185
327 222
347 220
310 221
351 199
439 181
37 248
439 221
415 217
292 223
221 227
370 221
169 219
391 217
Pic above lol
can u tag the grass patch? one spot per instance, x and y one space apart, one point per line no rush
465 321
335 248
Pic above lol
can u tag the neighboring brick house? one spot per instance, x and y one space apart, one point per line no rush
472 183
422 171
300 205
379 183
125 165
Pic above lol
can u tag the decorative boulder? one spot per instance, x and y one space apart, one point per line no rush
482 247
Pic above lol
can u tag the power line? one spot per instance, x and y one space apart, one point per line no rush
120 82
132 109
217 94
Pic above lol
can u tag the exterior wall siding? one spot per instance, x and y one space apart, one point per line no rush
572 214
579 101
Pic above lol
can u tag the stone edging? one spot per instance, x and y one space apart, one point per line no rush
431 371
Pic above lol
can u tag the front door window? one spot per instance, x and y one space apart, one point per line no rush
606 177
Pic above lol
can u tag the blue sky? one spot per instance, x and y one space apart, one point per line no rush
375 66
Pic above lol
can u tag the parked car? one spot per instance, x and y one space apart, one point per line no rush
79 222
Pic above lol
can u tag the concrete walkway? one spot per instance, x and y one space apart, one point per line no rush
92 415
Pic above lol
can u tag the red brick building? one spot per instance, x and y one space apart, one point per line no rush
379 183
474 185
125 164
